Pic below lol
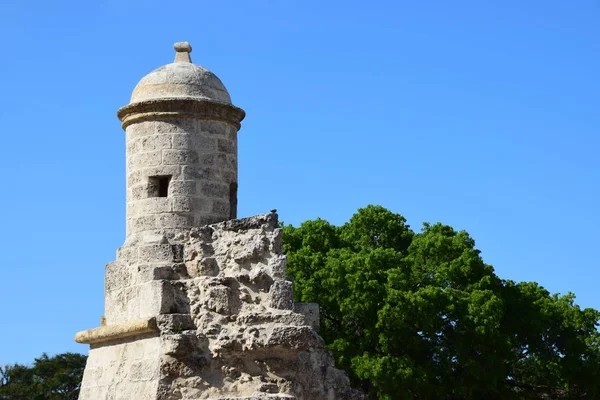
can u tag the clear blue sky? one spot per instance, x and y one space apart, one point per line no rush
481 115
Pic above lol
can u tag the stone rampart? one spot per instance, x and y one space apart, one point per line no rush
226 325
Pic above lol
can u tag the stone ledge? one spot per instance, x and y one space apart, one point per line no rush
180 107
243 224
115 332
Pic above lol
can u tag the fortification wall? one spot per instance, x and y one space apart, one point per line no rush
222 319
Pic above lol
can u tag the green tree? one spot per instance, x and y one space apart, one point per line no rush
49 378
421 316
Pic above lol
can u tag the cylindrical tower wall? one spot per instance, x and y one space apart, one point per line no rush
181 172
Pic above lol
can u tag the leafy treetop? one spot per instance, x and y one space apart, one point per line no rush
49 378
422 316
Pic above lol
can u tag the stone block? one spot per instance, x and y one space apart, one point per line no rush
156 253
182 141
153 237
162 297
228 175
277 241
140 191
155 298
146 159
134 177
219 299
201 204
120 370
174 221
231 162
140 390
116 276
191 172
231 134
215 190
133 146
293 337
182 188
146 222
139 129
132 302
96 392
131 209
153 205
277 265
207 219
220 207
204 144
176 125
216 161
310 311
198 142
127 255
213 127
92 377
180 344
174 323
155 142
117 307
138 350
150 272
178 157
174 171
143 370
281 295
226 146
259 276
181 204
203 266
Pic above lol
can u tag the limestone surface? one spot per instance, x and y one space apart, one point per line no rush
226 323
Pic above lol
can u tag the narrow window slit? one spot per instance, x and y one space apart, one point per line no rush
159 186
233 188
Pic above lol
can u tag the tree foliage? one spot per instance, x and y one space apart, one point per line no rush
421 316
49 378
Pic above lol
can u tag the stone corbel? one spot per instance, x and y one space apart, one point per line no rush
109 333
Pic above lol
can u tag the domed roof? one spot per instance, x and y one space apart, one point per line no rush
181 79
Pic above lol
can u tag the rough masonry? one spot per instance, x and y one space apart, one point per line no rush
197 304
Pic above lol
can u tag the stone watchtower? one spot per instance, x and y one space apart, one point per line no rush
181 132
197 304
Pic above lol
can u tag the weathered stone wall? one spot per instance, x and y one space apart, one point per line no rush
144 282
200 158
126 369
226 323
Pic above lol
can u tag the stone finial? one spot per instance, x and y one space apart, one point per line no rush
183 50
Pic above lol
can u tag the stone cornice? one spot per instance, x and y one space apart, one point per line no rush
111 333
177 107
